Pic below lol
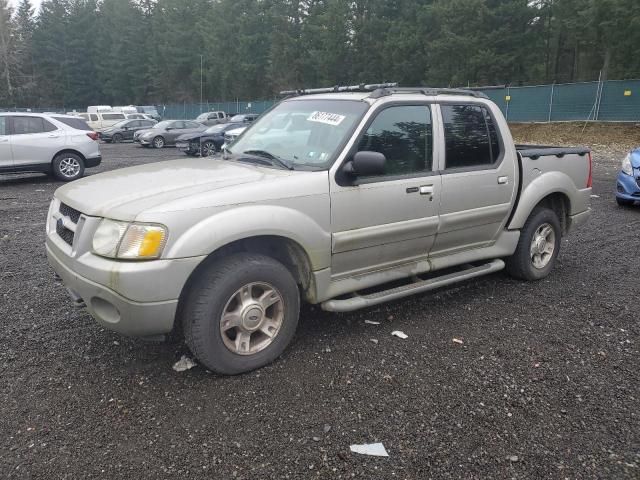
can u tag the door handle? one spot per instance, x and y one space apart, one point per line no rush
4 140
426 190
53 136
503 180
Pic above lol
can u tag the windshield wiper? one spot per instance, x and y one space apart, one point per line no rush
270 156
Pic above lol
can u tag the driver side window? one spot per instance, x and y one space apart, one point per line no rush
404 135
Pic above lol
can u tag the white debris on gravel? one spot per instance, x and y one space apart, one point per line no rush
374 340
185 363
371 322
458 341
374 449
399 334
595 196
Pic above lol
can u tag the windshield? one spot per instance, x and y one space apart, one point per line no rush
302 132
202 116
163 124
121 123
215 129
238 118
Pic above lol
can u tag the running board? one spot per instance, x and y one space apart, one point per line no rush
361 301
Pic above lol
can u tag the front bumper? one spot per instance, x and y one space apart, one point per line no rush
135 298
628 187
142 141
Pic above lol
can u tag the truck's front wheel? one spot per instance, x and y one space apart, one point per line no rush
538 247
241 313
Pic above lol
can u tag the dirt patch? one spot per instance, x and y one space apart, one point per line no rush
608 140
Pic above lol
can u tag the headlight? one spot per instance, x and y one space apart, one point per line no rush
626 165
130 241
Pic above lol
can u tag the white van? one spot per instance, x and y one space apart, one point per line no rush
125 110
100 120
98 108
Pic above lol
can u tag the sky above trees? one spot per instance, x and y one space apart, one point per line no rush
77 52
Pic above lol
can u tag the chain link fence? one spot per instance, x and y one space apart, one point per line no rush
610 101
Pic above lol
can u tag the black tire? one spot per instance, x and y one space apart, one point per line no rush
211 293
117 138
208 149
521 265
622 202
67 166
158 142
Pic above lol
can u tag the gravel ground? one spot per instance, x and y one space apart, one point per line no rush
544 385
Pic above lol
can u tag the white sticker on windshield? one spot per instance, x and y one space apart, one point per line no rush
326 117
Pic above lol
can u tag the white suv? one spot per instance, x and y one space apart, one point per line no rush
62 145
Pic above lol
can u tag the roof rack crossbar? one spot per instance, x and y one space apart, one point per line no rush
363 87
427 91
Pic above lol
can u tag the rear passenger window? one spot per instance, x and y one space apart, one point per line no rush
27 125
403 134
471 139
94 117
77 123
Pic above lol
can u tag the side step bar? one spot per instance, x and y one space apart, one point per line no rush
361 301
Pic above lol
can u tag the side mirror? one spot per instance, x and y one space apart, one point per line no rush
366 164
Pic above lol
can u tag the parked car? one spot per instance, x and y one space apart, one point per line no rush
124 130
150 110
231 135
212 118
140 116
244 118
101 120
628 181
61 145
346 202
205 143
164 134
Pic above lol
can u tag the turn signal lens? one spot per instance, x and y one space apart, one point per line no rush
142 241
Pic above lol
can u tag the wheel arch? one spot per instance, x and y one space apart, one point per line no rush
282 249
554 191
68 150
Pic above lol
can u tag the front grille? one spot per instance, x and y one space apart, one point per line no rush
63 232
72 213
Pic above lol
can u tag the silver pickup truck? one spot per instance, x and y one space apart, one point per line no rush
342 199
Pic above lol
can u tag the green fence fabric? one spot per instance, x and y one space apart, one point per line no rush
610 101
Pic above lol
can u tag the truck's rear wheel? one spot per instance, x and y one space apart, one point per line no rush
241 313
538 247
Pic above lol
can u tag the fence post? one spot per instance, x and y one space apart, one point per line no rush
508 102
551 101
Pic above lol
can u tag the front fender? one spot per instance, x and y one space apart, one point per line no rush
249 221
544 185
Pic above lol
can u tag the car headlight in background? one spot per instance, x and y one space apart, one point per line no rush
129 241
626 165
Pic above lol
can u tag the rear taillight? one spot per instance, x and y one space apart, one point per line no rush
93 135
590 177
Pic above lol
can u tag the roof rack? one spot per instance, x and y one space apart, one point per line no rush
370 87
428 91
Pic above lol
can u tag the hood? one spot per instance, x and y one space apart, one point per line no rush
634 155
189 136
139 133
185 184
